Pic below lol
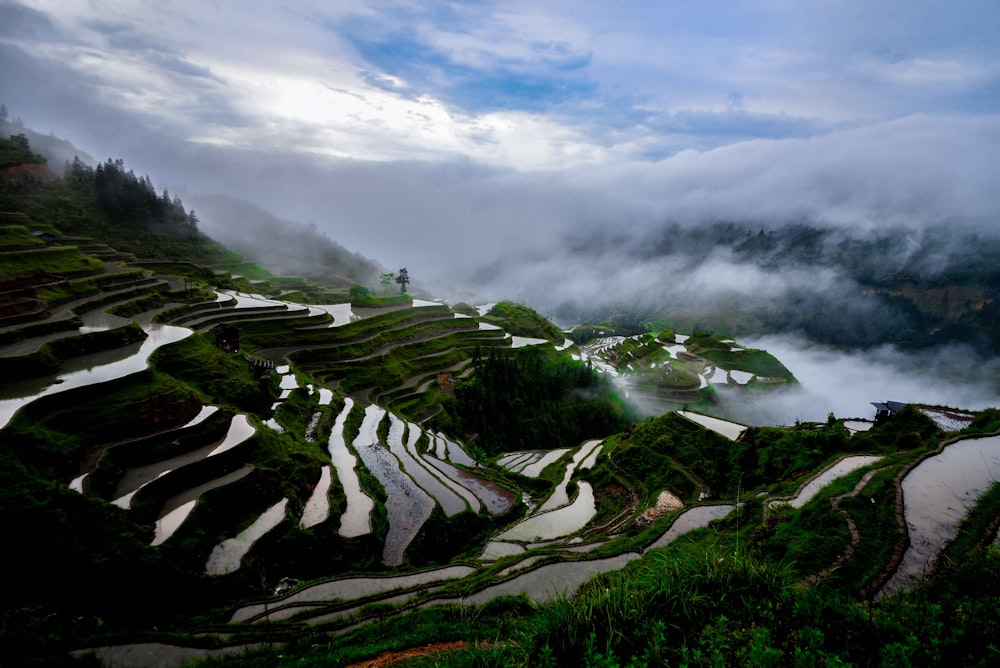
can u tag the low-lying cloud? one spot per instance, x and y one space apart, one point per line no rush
845 382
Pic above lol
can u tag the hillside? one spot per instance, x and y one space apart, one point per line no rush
201 459
281 245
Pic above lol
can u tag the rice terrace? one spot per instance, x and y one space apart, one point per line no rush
279 465
499 334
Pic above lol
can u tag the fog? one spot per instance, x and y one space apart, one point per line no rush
845 382
577 185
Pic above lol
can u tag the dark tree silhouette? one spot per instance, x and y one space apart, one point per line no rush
403 278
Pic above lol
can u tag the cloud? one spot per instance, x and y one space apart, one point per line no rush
846 382
20 22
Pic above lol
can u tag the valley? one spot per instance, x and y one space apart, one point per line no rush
198 464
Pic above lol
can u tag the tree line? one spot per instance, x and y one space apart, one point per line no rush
522 400
131 200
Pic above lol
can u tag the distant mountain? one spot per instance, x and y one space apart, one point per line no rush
281 245
915 288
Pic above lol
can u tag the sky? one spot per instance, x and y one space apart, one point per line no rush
476 142
448 135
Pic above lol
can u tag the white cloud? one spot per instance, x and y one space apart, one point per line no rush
845 382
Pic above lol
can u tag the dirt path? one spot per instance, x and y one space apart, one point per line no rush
393 657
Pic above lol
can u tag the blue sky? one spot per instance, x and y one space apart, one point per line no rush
525 85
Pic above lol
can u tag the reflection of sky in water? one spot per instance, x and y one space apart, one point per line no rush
408 506
88 370
356 518
227 555
937 495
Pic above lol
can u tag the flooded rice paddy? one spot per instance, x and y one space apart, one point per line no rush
857 426
841 468
450 502
449 478
205 413
239 431
535 468
730 430
947 419
522 341
317 508
455 452
498 549
89 370
408 506
169 523
496 499
556 523
691 519
356 520
550 581
937 495
177 508
559 496
591 460
353 588
227 555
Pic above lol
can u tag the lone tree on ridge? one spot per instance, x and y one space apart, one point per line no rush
385 279
403 279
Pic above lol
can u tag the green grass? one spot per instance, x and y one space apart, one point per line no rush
757 362
55 261
18 236
520 320
59 293
53 432
382 327
248 270
224 378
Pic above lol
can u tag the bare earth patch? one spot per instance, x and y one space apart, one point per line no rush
666 502
390 658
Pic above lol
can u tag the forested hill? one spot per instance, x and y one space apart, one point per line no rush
110 202
909 286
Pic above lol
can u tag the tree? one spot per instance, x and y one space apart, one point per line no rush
403 278
385 279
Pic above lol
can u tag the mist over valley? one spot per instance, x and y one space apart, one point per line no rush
499 333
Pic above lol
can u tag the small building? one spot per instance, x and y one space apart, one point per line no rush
887 409
259 367
227 337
